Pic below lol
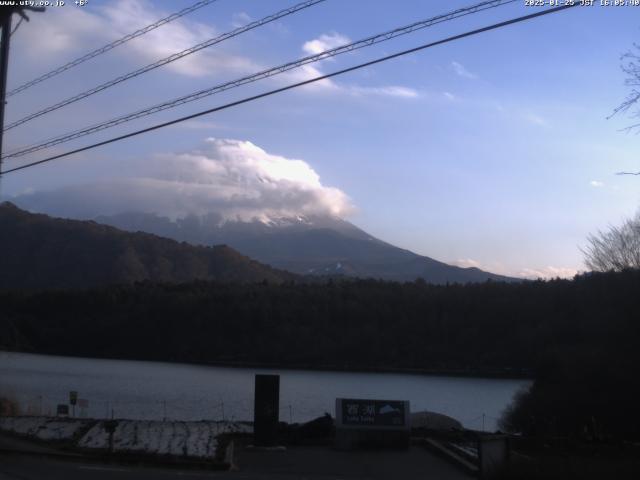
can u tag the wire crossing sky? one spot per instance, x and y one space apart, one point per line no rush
172 58
366 42
299 84
494 151
109 46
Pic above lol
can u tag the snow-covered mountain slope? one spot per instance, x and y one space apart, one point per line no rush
317 245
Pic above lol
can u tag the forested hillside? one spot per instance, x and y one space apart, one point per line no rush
42 252
499 327
579 338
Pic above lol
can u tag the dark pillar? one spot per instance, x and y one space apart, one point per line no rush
266 410
4 67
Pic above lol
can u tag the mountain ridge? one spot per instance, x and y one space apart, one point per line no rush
44 252
314 245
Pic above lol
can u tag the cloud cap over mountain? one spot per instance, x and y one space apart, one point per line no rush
234 179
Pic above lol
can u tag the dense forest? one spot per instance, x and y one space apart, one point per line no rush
43 252
139 296
579 337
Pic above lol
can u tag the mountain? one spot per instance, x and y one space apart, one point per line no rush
43 252
318 245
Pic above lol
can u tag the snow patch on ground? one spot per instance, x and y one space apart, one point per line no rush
43 428
186 439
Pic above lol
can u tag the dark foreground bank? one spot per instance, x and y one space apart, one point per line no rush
493 327
579 336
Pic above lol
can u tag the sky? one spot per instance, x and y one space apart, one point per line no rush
493 151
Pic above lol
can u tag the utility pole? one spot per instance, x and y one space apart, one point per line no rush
5 19
4 67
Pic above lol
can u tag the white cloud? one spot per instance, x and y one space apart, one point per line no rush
324 42
126 16
391 91
548 272
467 263
545 273
535 119
119 18
67 31
240 19
235 179
307 72
73 31
461 71
328 41
451 96
596 183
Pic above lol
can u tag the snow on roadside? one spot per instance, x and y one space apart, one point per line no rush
184 439
43 428
189 439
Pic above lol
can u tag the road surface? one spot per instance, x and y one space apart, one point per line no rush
296 463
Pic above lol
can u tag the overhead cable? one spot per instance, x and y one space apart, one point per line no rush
366 42
296 85
166 60
109 46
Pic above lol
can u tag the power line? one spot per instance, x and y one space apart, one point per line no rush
110 46
260 75
366 42
167 60
299 84
5 23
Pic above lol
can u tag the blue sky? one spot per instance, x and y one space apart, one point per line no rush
492 151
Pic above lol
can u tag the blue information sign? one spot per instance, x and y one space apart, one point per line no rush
373 413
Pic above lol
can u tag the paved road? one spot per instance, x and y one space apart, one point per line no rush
302 463
30 467
15 443
326 463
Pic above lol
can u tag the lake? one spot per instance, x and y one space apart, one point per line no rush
155 390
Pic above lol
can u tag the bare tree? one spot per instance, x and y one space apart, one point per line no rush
631 67
619 247
616 249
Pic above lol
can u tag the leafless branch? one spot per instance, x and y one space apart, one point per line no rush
631 68
616 249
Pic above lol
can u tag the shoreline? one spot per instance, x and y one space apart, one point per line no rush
505 373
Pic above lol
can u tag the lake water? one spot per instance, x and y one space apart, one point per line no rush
154 390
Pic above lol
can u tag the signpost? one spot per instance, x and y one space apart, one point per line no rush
73 399
110 427
368 422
